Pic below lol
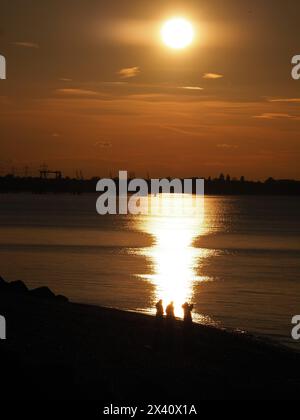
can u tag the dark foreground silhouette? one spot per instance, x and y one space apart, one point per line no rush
58 350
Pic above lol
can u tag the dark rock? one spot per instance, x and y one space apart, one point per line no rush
3 284
17 287
61 298
43 292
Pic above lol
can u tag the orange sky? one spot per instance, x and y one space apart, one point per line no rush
91 87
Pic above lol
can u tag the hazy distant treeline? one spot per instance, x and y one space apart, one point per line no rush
218 186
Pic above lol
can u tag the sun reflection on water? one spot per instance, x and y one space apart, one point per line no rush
174 222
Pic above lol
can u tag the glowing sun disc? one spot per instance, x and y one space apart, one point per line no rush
177 33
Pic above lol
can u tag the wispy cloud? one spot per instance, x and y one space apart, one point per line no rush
25 44
227 146
65 79
187 130
285 100
191 88
128 73
213 76
103 144
77 92
114 83
273 116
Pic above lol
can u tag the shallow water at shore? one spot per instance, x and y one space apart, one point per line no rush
240 265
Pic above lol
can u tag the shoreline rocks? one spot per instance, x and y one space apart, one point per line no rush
18 287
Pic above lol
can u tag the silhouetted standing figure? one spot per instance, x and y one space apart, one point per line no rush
170 312
159 310
187 309
188 341
159 324
170 318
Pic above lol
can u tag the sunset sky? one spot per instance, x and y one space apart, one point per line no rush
91 86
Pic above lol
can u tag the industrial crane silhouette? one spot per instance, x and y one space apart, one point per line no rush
45 173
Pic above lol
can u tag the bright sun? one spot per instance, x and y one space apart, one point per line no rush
177 33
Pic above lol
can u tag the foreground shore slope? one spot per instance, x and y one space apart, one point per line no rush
59 350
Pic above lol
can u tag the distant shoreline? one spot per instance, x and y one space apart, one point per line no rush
93 193
218 186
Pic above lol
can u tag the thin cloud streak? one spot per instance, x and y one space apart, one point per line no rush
129 72
26 44
285 100
77 92
191 88
273 116
212 76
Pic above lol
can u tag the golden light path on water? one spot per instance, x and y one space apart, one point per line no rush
174 221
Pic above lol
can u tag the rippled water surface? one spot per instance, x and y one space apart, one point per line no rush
238 261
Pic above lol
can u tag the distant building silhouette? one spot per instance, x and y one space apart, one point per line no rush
44 174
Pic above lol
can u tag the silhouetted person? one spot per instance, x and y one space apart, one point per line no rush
169 332
159 310
188 342
187 309
170 311
159 324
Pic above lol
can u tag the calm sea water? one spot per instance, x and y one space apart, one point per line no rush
239 265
